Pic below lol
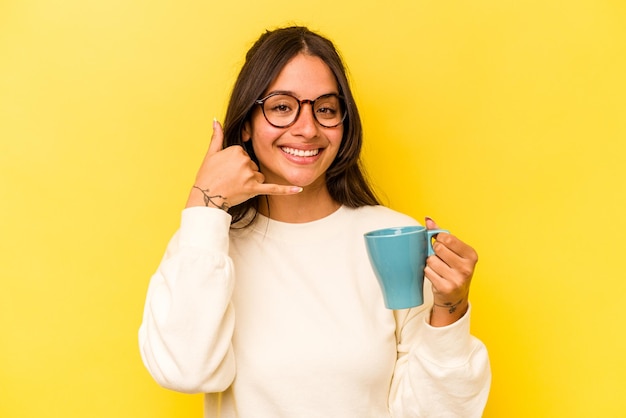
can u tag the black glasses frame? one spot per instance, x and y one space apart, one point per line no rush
261 103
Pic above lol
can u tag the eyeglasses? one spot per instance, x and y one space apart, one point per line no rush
281 110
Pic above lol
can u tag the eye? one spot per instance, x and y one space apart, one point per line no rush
281 108
327 107
327 110
280 104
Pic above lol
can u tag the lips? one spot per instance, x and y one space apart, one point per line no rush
300 152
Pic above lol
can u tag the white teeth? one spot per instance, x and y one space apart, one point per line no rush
301 153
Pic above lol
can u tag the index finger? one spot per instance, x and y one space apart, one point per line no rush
457 246
217 138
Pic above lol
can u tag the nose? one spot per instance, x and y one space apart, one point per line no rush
305 125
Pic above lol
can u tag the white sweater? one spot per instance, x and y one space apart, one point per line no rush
288 320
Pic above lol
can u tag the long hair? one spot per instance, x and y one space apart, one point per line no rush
345 177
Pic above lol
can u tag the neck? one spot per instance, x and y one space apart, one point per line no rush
306 206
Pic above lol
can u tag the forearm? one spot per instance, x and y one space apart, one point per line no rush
185 337
441 371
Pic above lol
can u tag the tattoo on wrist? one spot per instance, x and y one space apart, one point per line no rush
209 199
449 305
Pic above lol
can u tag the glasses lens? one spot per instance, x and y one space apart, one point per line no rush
329 110
280 109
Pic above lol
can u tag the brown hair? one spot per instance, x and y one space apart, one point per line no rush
345 177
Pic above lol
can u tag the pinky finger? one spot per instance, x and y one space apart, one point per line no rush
276 189
434 278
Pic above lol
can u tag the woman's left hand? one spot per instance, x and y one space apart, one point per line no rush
450 271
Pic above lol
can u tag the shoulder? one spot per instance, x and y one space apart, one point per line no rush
377 217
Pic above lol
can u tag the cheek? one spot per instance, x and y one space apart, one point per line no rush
336 138
340 135
337 141
262 136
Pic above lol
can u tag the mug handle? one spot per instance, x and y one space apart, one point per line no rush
430 233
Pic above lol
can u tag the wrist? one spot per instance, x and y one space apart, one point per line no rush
446 313
203 197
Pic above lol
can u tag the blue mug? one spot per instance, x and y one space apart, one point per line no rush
398 257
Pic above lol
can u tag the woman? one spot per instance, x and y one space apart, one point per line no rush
265 300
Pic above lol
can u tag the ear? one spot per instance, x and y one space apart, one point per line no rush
246 132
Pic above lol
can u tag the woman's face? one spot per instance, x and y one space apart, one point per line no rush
300 154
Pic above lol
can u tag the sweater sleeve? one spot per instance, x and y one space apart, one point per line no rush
440 371
188 321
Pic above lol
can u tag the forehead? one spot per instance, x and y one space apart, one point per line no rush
306 77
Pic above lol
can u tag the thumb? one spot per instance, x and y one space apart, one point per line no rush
430 224
217 138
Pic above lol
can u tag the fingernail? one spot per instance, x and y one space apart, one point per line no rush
214 122
428 218
296 189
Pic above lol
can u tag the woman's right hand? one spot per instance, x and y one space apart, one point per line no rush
228 177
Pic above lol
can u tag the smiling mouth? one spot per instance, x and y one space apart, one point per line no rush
301 153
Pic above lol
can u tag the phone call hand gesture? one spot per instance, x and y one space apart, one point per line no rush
228 177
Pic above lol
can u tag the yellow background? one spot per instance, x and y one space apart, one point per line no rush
503 120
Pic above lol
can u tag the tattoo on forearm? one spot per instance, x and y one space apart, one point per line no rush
450 306
209 199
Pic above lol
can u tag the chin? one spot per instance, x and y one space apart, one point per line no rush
309 184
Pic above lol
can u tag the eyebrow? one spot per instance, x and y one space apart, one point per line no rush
292 93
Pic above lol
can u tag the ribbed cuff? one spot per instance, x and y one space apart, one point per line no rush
448 346
205 228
